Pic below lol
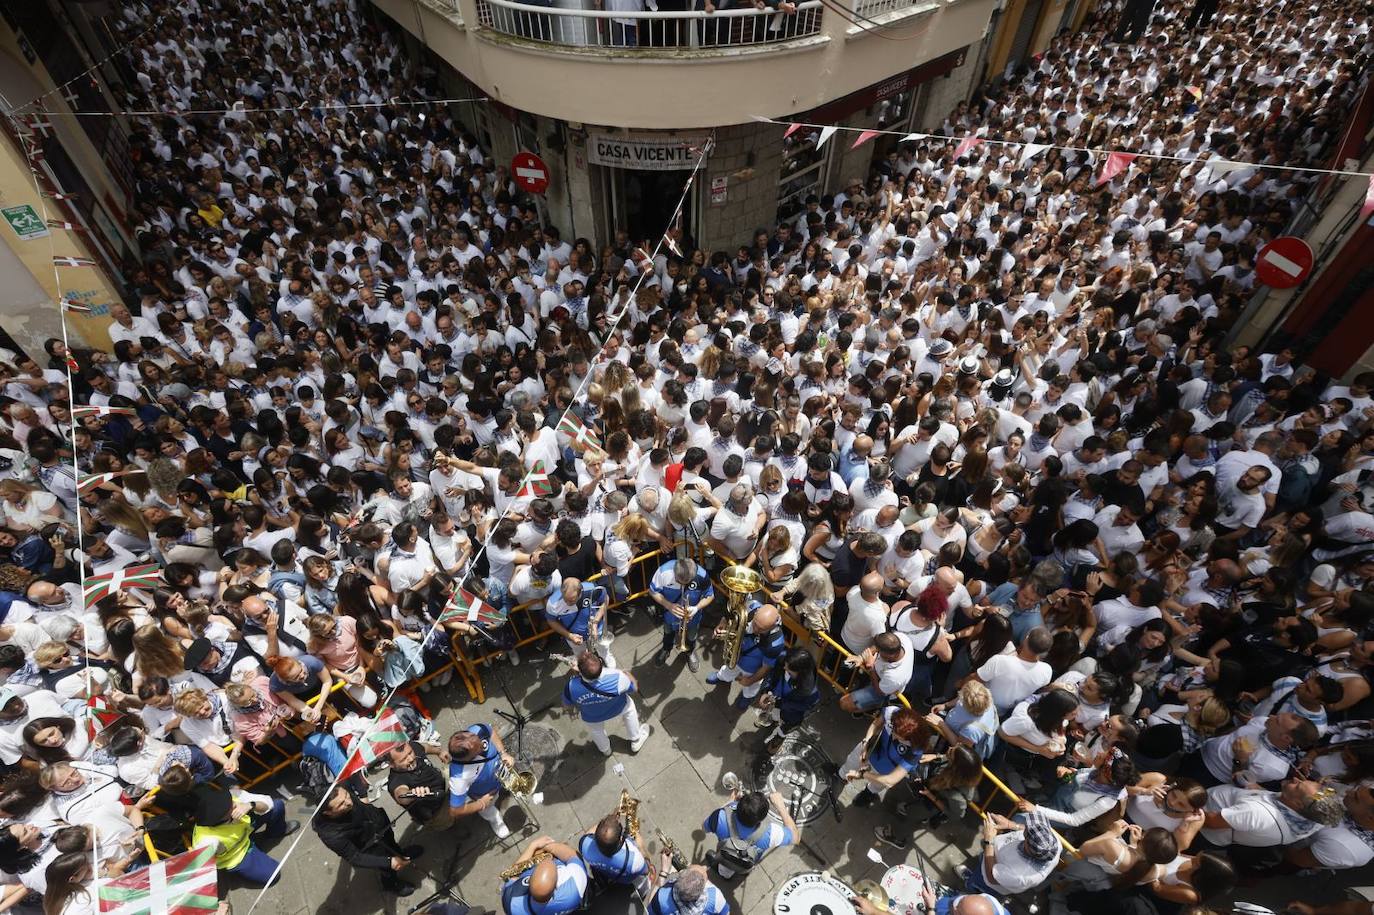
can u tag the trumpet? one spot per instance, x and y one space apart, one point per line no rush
519 782
682 629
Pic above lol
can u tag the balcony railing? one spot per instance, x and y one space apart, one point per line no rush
872 8
627 25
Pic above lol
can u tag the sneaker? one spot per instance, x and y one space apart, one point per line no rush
397 887
693 661
501 830
514 657
729 781
607 751
885 835
712 679
661 658
291 826
937 820
644 733
865 798
962 872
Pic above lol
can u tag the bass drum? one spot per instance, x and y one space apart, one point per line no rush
813 893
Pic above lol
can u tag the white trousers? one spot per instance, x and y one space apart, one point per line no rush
730 674
603 648
492 815
598 728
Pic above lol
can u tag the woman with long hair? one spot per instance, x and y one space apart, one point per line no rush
1167 802
1036 734
70 890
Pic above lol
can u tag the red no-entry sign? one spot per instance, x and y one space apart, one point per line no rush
530 173
1284 262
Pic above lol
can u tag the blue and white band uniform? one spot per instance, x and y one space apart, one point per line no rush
576 617
756 651
474 780
567 895
723 823
887 753
626 866
665 902
696 593
606 698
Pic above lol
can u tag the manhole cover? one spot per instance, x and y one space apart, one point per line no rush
800 772
539 748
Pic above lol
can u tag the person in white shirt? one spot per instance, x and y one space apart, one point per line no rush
1011 678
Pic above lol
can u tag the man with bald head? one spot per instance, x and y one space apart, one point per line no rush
867 614
760 649
554 886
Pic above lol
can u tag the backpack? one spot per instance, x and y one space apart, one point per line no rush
738 852
316 778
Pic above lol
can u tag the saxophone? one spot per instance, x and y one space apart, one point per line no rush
629 811
739 583
519 867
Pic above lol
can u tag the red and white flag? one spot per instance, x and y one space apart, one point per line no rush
65 260
469 608
86 410
99 479
583 438
537 483
145 576
367 748
968 143
1116 163
184 884
791 129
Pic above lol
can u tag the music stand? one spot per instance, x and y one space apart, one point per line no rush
445 888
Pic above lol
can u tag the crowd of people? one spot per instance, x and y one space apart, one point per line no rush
973 422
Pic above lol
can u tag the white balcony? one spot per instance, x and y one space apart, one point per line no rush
646 34
573 61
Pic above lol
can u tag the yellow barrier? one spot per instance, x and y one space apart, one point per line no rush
833 673
530 627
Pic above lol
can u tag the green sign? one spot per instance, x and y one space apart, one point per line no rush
25 221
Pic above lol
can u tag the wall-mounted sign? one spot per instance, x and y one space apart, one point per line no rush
25 221
719 186
657 153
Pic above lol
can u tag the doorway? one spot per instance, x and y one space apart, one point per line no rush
648 199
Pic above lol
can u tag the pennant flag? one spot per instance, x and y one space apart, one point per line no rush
537 483
791 129
864 137
1195 92
1030 151
59 224
184 884
78 307
60 196
79 412
469 608
1116 163
369 747
72 364
968 143
89 483
146 576
1368 200
62 260
913 137
826 133
583 438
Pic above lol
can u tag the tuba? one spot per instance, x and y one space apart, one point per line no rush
519 782
739 583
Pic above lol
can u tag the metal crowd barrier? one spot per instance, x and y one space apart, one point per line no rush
529 626
831 667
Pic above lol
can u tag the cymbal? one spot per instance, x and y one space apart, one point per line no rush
874 893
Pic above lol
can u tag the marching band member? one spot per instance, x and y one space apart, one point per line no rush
683 590
745 832
554 886
577 611
760 649
612 854
689 893
901 734
598 694
475 756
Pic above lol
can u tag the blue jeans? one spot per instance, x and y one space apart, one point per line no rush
867 698
670 632
257 866
976 883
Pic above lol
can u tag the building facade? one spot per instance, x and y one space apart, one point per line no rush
619 106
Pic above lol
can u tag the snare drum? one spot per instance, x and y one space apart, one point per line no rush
813 894
904 884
